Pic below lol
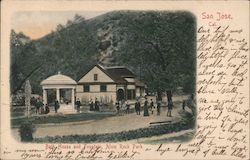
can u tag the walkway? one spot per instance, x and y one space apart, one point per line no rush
107 125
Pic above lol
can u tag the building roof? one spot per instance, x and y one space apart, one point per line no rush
58 79
117 73
139 83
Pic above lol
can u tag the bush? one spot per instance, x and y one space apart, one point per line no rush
26 130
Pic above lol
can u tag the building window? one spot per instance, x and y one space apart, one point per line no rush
85 88
130 94
95 77
103 88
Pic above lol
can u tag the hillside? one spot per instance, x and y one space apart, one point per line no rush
158 46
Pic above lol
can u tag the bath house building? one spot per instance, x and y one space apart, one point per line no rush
109 84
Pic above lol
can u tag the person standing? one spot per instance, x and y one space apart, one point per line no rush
152 106
57 106
127 107
39 105
78 105
121 107
170 107
91 105
117 107
46 109
146 108
158 108
138 107
97 105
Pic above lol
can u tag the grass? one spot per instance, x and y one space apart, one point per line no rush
61 118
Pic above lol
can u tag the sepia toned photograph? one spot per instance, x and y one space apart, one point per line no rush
103 76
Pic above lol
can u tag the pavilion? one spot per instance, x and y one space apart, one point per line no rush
58 82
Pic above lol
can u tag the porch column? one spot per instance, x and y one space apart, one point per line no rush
73 98
45 97
58 94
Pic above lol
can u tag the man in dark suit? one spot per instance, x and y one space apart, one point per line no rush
78 104
57 106
146 108
97 105
138 107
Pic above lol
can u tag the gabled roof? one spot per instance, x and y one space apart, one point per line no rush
118 74
58 79
104 70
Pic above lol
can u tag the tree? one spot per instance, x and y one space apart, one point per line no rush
164 44
78 18
69 23
59 27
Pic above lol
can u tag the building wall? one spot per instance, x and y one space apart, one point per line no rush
130 86
140 92
137 92
130 79
89 77
105 97
94 91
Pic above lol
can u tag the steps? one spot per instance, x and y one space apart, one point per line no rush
64 108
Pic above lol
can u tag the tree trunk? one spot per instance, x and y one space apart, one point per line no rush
169 95
159 95
26 77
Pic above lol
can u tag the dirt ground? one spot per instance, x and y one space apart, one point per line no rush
108 125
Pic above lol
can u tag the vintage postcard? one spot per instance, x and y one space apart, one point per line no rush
124 80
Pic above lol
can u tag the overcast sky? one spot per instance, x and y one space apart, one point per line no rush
37 24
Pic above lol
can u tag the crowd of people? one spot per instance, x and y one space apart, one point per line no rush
122 106
147 107
40 107
93 106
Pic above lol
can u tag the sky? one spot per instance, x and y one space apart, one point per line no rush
37 24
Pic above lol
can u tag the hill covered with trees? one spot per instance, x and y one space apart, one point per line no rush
158 46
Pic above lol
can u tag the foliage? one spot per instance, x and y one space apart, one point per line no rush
161 45
26 130
158 46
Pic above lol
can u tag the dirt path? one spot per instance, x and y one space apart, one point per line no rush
108 125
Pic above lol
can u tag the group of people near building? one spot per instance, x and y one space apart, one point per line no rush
40 107
147 107
93 106
122 106
150 107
